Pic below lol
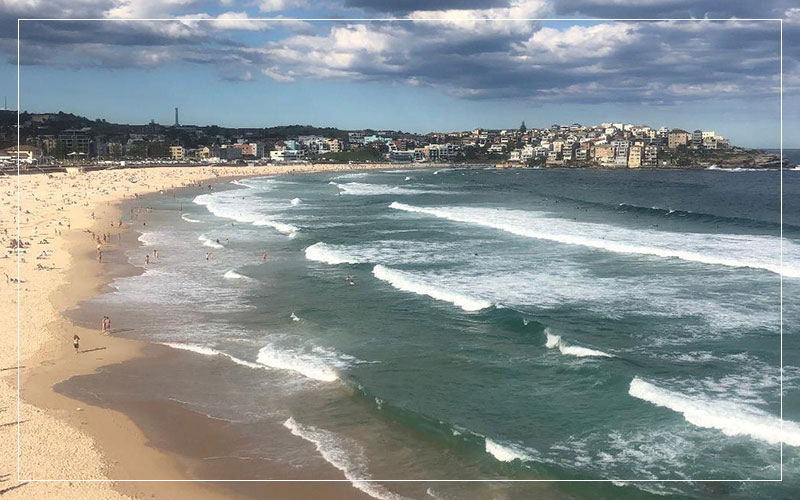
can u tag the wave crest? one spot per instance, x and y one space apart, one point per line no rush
409 283
733 419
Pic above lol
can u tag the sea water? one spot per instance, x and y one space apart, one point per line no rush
500 324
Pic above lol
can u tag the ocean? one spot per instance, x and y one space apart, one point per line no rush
487 324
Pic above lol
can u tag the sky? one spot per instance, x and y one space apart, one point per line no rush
417 66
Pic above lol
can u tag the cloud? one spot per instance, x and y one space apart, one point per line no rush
473 49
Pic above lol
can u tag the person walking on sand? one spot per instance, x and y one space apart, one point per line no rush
155 254
146 259
76 342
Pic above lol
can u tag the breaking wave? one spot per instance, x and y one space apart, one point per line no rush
344 454
207 351
232 205
409 283
554 341
189 219
362 189
509 452
733 419
233 275
760 252
208 242
304 363
321 252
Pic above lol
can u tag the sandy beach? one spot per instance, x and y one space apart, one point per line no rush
62 440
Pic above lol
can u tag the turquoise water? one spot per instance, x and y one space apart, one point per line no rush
502 324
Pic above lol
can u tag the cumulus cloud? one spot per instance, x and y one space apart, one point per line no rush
473 49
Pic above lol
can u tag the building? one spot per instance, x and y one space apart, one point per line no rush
177 153
604 154
677 137
283 155
554 158
26 154
335 145
74 141
650 159
635 157
228 152
697 138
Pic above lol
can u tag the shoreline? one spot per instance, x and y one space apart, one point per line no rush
67 439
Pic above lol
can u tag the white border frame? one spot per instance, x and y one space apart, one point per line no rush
333 20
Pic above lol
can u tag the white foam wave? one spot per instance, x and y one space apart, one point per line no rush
741 169
207 351
758 252
243 208
508 452
733 419
410 283
242 183
354 175
233 275
189 219
554 341
321 252
362 189
148 239
345 455
308 365
281 227
295 201
208 242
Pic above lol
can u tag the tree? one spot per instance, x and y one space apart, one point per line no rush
523 128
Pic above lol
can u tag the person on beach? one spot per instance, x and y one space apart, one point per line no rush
100 256
264 256
76 341
146 259
155 254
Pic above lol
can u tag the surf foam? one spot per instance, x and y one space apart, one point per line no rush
233 275
295 201
321 252
508 452
208 242
733 419
244 208
207 351
308 365
410 283
714 249
346 456
362 189
189 219
554 341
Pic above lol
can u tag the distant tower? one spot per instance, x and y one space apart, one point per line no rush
177 123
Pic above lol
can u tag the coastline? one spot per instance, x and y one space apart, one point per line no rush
61 438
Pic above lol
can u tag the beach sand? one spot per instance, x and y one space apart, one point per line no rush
64 439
